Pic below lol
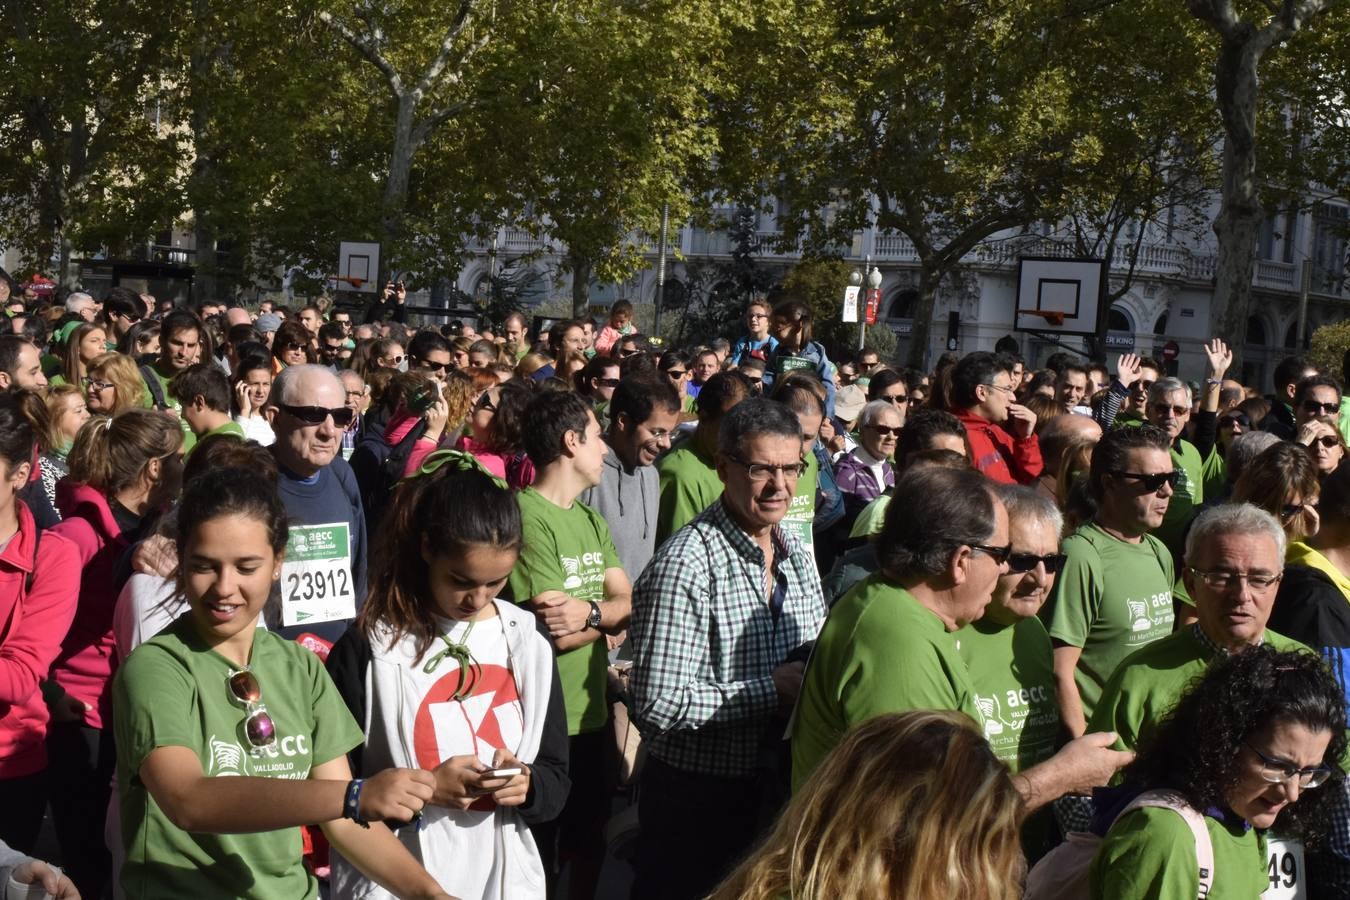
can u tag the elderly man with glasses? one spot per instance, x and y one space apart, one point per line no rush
718 614
323 581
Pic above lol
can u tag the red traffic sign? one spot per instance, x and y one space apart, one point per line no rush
1171 350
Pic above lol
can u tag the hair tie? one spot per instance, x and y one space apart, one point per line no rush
458 461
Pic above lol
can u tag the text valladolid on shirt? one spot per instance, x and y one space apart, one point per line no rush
1112 598
172 692
568 550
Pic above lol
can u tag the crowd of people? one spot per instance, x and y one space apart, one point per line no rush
985 631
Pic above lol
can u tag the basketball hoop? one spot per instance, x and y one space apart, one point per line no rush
1051 316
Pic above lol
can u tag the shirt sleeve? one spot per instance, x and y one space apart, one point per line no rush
1147 853
1076 595
153 698
879 680
671 636
537 570
27 653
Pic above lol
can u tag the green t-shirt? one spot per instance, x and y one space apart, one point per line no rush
234 429
1112 598
880 651
1149 854
1214 473
1186 499
689 485
801 514
171 692
568 550
1012 674
1150 681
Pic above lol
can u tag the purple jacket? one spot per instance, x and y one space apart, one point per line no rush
857 482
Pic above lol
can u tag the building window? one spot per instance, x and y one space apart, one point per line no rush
1256 332
902 306
1118 320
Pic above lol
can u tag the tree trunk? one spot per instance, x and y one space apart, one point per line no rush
581 285
929 279
1240 210
396 185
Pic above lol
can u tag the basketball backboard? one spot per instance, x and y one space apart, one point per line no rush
1059 296
358 266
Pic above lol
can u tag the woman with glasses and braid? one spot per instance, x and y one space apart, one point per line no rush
444 676
229 736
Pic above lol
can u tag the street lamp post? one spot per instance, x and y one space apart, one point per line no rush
855 278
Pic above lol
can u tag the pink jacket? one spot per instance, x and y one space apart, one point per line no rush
85 666
609 336
32 626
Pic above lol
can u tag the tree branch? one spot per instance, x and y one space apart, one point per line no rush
433 72
423 129
367 48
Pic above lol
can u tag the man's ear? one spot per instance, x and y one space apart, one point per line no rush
958 565
5 381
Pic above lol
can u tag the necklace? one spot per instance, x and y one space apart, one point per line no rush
469 670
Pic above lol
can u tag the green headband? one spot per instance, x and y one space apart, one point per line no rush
458 461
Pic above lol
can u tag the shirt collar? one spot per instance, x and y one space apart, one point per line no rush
1212 648
741 542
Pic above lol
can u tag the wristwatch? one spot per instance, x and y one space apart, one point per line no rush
593 620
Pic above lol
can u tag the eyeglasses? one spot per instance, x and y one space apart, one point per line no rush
1142 387
1222 581
997 554
1327 441
1328 409
895 399
607 382
1151 481
245 690
1163 409
754 315
357 395
761 472
485 403
885 430
1239 420
1000 387
1279 771
1025 562
316 415
95 384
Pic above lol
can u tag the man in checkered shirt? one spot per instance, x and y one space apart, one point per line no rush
715 616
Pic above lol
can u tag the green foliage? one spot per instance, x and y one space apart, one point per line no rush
821 281
884 342
1328 347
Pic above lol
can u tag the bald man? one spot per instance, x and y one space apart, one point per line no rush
1059 433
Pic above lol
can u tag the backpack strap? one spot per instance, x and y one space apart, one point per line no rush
1204 847
153 385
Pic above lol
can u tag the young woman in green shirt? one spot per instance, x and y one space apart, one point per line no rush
1251 746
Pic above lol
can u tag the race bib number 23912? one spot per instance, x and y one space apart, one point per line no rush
316 578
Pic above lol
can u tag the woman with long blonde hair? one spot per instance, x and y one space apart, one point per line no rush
911 805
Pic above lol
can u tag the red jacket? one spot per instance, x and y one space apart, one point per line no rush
999 455
85 666
32 626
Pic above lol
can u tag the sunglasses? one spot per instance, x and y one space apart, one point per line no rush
1289 510
428 366
885 430
1327 441
1141 386
675 374
245 690
1025 562
1163 409
1151 482
997 554
607 382
1327 409
392 360
896 399
292 346
1230 421
485 403
316 415
331 349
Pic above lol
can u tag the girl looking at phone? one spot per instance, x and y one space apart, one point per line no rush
214 696
445 677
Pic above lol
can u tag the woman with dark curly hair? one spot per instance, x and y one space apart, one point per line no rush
1253 744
